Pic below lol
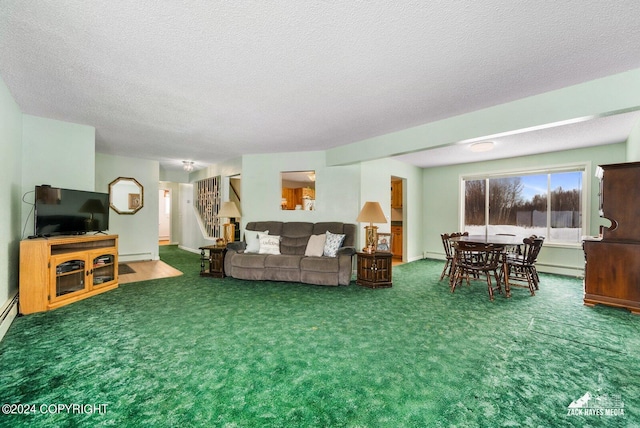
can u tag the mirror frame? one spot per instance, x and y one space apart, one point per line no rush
111 192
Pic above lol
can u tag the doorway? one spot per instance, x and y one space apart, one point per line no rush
164 216
397 218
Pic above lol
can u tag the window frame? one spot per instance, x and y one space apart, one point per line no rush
583 167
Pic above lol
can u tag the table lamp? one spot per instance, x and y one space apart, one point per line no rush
229 210
371 213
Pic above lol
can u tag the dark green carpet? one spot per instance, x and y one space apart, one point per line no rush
191 351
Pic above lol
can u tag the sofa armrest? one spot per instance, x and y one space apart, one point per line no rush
345 259
347 251
236 246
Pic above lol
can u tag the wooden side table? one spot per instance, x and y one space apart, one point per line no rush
215 259
374 270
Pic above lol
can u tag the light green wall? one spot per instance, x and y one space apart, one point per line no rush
593 98
226 169
10 194
441 208
174 188
57 153
340 192
375 185
337 191
191 235
633 144
138 233
192 232
63 154
337 188
174 176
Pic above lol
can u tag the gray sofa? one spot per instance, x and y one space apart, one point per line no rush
292 265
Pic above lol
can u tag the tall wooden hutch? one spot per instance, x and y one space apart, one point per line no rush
612 271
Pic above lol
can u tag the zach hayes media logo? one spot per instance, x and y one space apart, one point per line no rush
596 405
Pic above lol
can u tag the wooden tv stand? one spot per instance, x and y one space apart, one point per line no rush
60 270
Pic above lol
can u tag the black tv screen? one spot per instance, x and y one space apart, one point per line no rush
70 212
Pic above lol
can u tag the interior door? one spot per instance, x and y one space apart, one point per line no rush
398 206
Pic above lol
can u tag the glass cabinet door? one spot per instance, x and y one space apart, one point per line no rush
104 269
69 277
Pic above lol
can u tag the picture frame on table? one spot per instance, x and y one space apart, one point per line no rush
384 243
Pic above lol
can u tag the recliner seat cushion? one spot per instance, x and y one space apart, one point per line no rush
250 260
320 264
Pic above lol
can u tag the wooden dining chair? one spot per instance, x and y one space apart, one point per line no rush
448 251
448 254
474 259
511 248
521 268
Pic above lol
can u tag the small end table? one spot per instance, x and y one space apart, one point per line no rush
215 259
374 270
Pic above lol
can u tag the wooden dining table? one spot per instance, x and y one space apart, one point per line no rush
497 240
506 240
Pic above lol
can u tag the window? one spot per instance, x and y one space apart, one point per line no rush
547 203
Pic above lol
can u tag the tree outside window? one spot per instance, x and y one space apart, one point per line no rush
547 204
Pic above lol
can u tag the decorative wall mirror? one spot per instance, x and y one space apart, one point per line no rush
126 195
298 190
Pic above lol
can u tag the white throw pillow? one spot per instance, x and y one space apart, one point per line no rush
269 244
315 246
253 240
332 244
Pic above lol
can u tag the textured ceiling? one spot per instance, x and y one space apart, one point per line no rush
212 80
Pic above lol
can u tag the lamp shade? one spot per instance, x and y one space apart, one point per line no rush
371 213
229 210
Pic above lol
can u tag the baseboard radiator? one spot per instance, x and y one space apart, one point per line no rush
8 314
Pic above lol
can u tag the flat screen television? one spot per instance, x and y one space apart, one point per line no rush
69 212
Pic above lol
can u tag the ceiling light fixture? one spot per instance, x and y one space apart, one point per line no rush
187 165
483 146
